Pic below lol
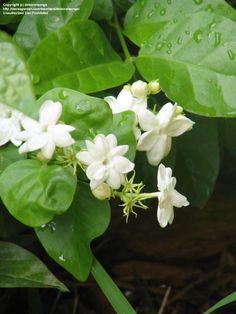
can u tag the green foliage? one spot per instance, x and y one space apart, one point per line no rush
145 17
230 298
42 25
92 66
34 192
20 268
194 58
102 10
15 83
8 155
67 238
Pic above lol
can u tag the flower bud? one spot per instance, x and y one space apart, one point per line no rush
154 87
139 89
102 192
179 110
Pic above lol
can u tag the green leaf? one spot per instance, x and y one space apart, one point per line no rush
34 193
42 25
67 238
230 298
78 56
8 155
198 161
228 131
146 17
15 83
102 10
20 268
195 61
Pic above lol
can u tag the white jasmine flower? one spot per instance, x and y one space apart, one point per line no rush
168 196
105 161
9 125
154 87
159 130
46 134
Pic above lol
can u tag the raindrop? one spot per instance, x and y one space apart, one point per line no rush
231 54
209 8
175 21
169 1
217 38
163 12
159 46
52 226
151 13
169 45
198 1
61 258
197 36
149 45
63 94
169 51
212 25
157 4
137 15
187 32
35 78
179 40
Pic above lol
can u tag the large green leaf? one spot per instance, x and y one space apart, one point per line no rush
195 61
67 238
20 268
34 193
8 155
229 299
15 83
102 10
42 25
78 56
198 161
228 131
146 17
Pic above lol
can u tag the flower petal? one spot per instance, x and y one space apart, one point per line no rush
84 157
60 137
118 151
38 141
147 140
125 99
166 114
165 211
112 140
48 149
122 164
147 120
114 104
30 125
177 199
160 149
114 179
50 112
92 169
23 148
180 125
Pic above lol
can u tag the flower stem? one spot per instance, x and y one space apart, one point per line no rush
121 37
110 289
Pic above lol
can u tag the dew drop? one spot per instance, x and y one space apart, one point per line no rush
198 1
169 1
35 78
197 36
187 32
151 13
209 8
52 226
157 4
179 40
159 46
169 51
62 258
63 94
169 45
231 54
149 45
137 15
212 25
163 12
175 21
217 38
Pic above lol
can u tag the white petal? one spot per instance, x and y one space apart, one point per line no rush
23 148
100 174
50 112
180 125
161 177
48 149
112 140
30 124
25 135
61 137
92 169
125 99
147 140
122 164
159 150
166 114
84 157
95 183
15 141
114 179
118 150
66 127
5 131
114 104
38 141
178 200
165 211
147 120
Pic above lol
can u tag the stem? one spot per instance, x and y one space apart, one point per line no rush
110 289
121 37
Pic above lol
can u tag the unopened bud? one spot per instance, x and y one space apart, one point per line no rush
154 87
102 192
139 89
179 110
127 87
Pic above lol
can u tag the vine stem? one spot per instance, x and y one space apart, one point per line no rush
116 298
117 27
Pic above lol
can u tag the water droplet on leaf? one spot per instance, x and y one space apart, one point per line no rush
157 4
159 46
231 54
63 94
169 45
197 36
163 12
179 40
217 38
151 13
169 51
35 78
198 1
61 258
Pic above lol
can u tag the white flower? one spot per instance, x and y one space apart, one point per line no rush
168 196
9 125
105 161
139 89
160 128
46 134
154 87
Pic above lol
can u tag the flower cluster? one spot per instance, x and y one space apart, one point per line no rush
103 159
